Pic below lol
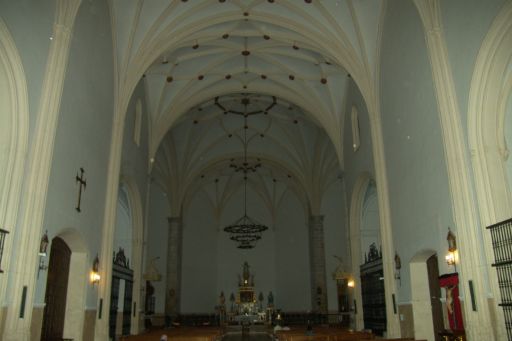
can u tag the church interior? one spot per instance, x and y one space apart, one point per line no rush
320 170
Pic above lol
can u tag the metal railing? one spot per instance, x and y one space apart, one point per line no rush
501 235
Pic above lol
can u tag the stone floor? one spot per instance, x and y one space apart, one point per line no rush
247 337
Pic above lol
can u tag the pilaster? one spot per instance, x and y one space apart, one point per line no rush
173 285
317 264
38 173
472 268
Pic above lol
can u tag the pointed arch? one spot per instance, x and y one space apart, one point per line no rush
356 210
137 215
490 90
14 108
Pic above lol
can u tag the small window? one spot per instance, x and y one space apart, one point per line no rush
355 129
137 126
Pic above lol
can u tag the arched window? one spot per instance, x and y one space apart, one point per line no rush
355 129
137 126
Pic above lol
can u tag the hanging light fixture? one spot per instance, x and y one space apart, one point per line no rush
246 231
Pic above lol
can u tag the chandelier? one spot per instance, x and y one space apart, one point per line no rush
245 231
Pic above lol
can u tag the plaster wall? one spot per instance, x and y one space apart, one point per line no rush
135 159
508 138
199 261
279 262
356 162
421 209
465 24
336 238
30 23
156 243
6 121
134 165
123 232
83 136
292 257
261 259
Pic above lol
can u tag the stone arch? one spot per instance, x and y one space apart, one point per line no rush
356 210
491 89
134 197
14 119
80 265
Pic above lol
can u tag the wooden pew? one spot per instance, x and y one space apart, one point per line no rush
180 334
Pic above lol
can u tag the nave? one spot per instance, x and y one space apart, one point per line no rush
259 333
355 154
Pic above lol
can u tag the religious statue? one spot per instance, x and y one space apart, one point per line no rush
246 273
222 299
270 299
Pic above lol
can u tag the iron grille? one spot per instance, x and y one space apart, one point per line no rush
3 233
501 234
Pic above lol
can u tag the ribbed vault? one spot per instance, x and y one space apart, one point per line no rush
190 53
291 153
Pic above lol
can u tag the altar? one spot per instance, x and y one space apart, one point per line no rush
246 307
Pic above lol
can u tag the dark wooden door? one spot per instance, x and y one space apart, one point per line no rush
56 291
435 296
127 307
114 300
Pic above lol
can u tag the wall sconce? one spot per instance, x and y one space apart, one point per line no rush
398 266
95 276
452 249
351 283
43 246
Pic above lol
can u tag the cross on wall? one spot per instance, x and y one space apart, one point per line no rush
82 183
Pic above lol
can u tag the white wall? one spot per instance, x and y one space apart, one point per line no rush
261 259
279 262
419 195
508 138
30 23
199 261
123 234
83 134
156 243
336 237
465 23
293 284
370 222
359 161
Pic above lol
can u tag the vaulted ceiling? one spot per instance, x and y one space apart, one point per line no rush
302 54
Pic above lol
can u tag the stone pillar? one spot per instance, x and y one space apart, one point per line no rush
173 284
317 264
477 322
23 277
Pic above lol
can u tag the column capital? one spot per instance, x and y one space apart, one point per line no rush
174 221
316 221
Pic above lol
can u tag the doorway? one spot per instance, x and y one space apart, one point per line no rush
426 296
435 295
56 291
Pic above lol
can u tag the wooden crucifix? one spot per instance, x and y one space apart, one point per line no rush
80 179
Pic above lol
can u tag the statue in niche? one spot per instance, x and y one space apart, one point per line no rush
270 299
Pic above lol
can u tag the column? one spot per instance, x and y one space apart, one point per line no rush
317 264
472 265
22 283
173 284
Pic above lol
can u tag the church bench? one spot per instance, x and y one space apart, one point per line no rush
322 333
180 334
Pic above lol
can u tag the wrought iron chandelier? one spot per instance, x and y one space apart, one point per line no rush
245 231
